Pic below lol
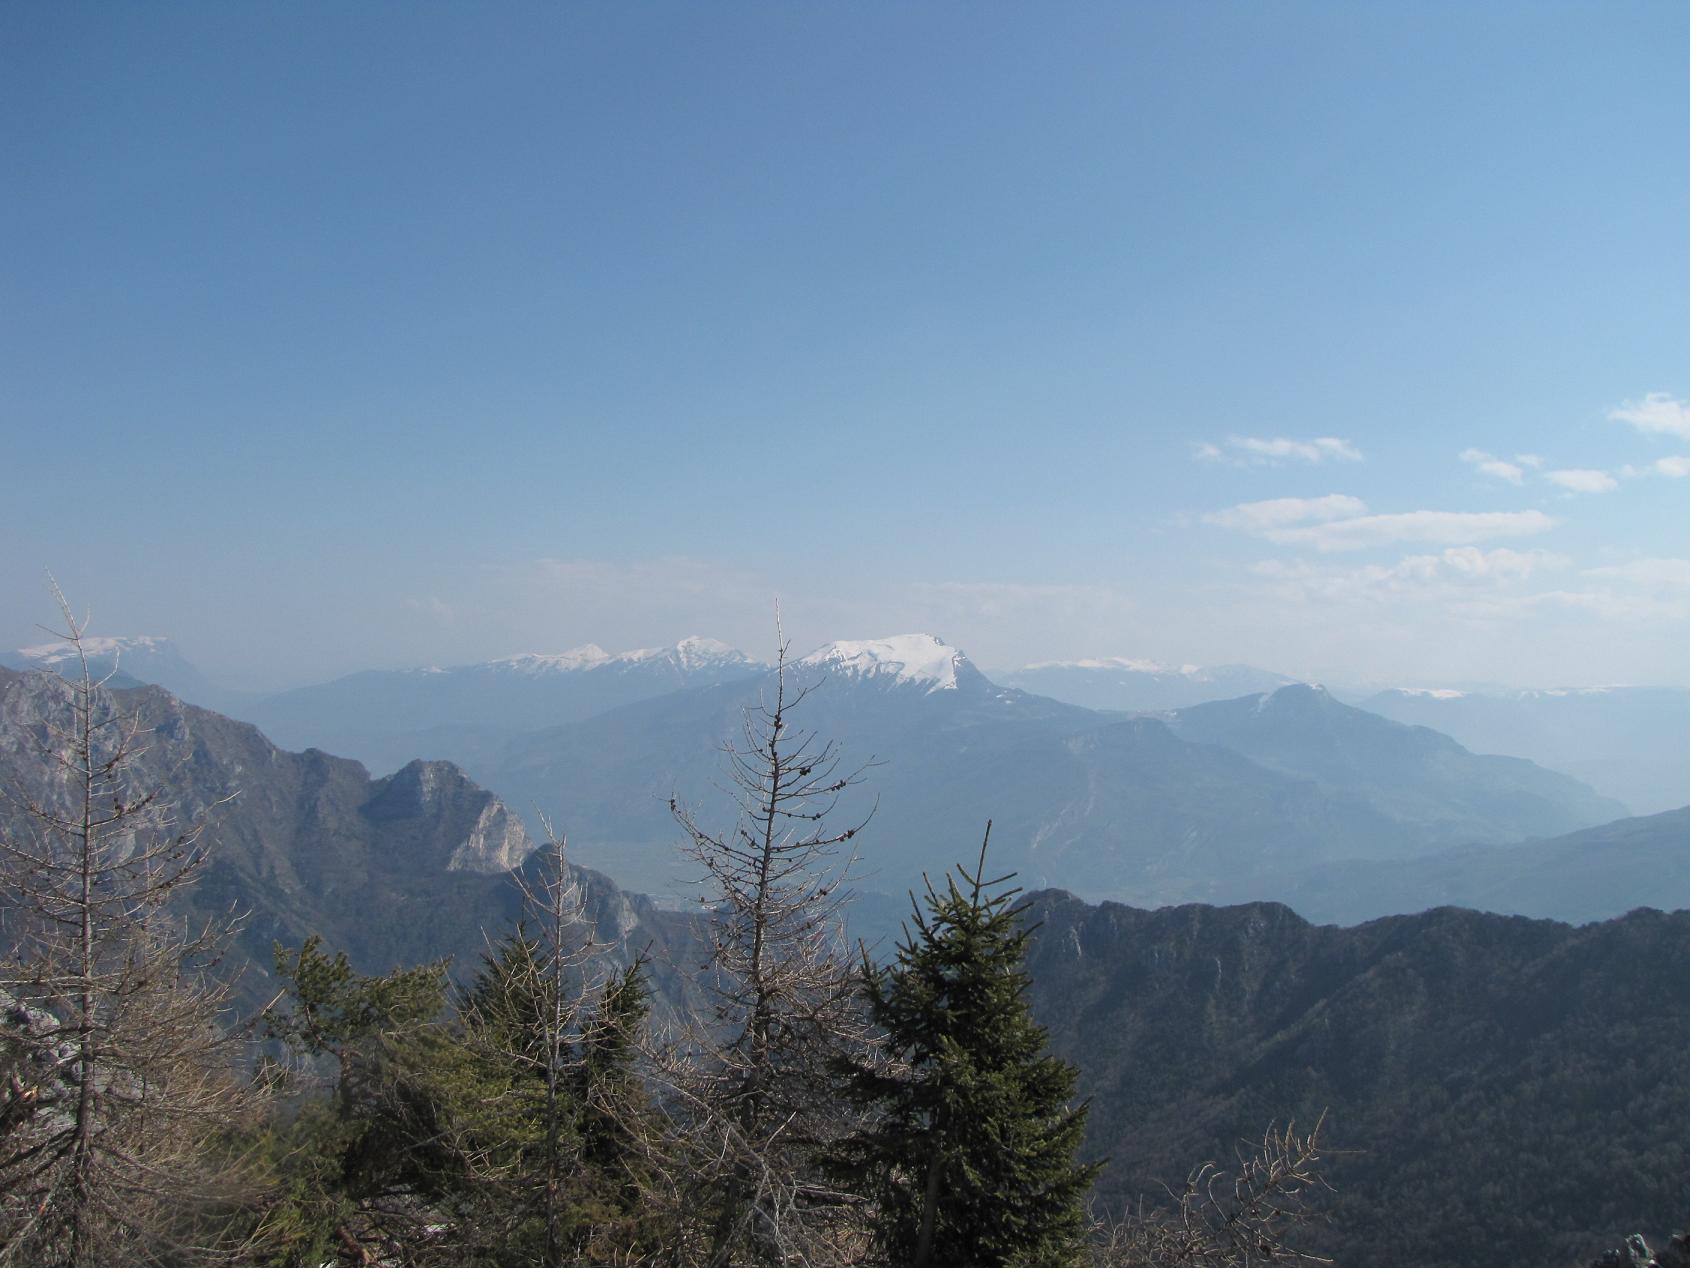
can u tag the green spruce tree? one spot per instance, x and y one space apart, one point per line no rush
969 1158
562 1150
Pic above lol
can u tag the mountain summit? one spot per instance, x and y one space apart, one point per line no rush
924 661
128 660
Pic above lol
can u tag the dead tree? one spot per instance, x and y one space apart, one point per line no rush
782 993
123 1068
1256 1214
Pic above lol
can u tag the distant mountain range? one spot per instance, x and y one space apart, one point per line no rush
1411 773
1628 742
1154 809
1514 1091
387 717
1285 793
1138 686
1594 874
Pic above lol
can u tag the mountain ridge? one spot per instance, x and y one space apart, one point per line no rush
394 871
1112 806
1473 1061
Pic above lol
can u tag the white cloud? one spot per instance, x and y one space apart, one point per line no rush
1625 609
1532 460
1583 480
1455 528
1464 563
1673 467
1258 517
1656 413
1502 562
1248 451
1466 577
1661 574
1491 465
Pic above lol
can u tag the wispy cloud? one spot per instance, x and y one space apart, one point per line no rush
1660 574
1340 522
1674 467
1657 413
1491 465
1624 609
1583 480
1259 517
1256 451
1451 573
1502 562
1454 528
1486 592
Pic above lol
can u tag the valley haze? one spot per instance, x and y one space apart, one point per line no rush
1122 779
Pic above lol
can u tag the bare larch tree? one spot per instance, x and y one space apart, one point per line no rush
782 991
121 1068
1259 1213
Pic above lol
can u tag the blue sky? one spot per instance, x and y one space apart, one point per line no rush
338 336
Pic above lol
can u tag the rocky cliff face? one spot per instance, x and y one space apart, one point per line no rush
394 871
455 824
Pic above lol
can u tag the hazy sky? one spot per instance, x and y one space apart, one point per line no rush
1347 340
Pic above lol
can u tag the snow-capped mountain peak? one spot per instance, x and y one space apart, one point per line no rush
128 659
695 651
587 656
920 660
690 655
59 652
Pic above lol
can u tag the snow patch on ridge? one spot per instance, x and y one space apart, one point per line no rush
587 656
690 653
97 648
918 659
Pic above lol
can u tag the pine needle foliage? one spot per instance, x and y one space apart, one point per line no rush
970 1156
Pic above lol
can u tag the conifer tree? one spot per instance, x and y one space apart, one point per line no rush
558 1151
970 1156
516 1133
364 1171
